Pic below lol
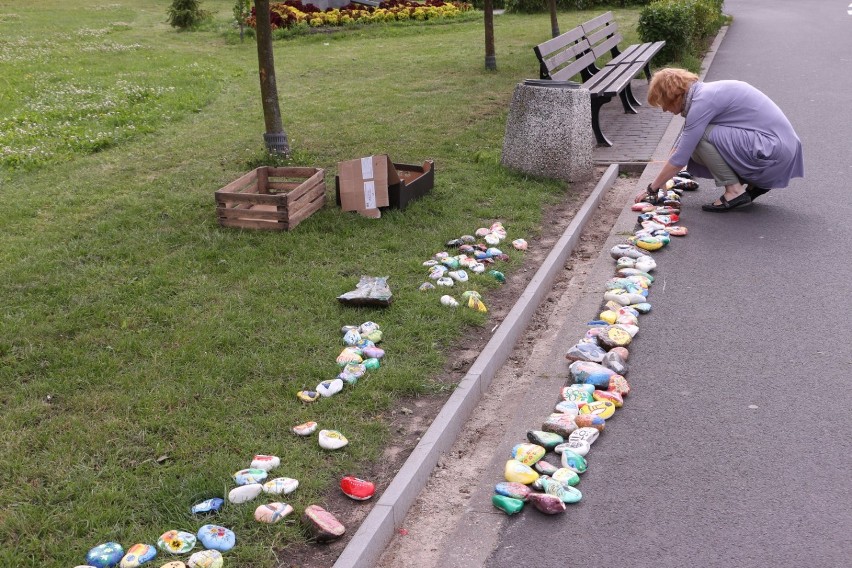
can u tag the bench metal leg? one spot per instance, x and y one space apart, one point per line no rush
648 71
625 102
633 102
597 103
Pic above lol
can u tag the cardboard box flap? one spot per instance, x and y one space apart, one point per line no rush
364 183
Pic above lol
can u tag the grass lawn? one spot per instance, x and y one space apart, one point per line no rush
146 354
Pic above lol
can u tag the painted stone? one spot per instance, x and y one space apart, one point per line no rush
322 524
477 304
437 271
624 317
305 429
249 476
477 267
574 462
174 564
426 286
330 388
590 421
449 301
566 476
609 317
642 307
176 542
307 396
645 264
618 383
106 555
508 505
513 489
357 370
452 263
547 504
356 488
368 327
588 435
547 440
648 243
600 408
212 505
206 559
576 446
218 538
374 352
520 244
244 493
631 329
622 250
332 440
623 298
351 337
271 513
558 423
678 231
613 361
519 473
568 407
614 336
458 275
348 355
544 467
265 462
528 454
281 486
627 272
590 373
577 396
566 493
611 396
585 352
497 275
445 281
137 555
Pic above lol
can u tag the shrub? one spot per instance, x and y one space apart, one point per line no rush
186 14
683 24
534 6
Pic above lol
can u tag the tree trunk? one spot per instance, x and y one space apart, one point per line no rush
554 25
490 55
275 138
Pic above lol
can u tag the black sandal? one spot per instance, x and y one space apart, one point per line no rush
738 201
754 191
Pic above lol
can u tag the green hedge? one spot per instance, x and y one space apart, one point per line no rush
534 6
683 24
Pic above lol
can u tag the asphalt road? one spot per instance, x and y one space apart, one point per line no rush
734 447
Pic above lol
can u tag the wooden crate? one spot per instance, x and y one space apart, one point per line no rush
275 199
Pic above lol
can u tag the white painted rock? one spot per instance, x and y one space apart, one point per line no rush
332 440
579 447
264 462
272 512
244 493
206 559
330 388
588 435
305 429
281 486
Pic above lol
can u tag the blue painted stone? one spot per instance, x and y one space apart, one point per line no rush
591 373
218 538
106 555
249 476
574 462
207 506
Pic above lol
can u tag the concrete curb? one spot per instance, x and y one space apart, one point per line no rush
389 512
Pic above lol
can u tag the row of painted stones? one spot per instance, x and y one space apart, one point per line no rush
597 385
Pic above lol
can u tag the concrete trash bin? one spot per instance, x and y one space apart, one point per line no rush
549 131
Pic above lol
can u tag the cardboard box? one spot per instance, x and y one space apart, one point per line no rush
368 184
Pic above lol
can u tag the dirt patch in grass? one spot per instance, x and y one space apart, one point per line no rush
411 417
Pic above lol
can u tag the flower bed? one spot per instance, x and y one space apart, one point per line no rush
293 13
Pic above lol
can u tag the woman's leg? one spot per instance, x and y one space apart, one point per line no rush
707 155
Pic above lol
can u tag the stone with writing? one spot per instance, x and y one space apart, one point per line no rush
323 525
271 513
174 564
547 440
576 446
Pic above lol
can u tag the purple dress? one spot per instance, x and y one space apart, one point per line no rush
751 133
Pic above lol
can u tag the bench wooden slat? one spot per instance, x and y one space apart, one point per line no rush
576 68
606 46
597 22
547 48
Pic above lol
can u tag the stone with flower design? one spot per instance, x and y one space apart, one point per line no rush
106 555
271 513
137 555
206 559
176 542
322 524
218 538
332 440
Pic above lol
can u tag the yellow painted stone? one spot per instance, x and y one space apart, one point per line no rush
528 454
608 316
519 473
602 408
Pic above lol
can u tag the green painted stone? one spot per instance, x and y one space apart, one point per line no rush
498 276
566 476
371 363
508 505
547 440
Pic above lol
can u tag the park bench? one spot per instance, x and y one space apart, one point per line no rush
576 52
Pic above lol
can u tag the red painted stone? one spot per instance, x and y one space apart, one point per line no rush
356 488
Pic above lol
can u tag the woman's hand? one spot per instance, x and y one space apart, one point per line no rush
642 195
